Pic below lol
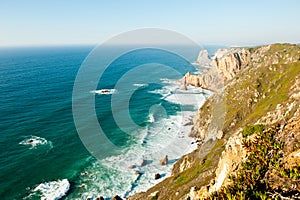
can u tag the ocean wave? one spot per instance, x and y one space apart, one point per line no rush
163 92
134 170
151 118
167 136
165 80
34 141
53 190
140 84
104 91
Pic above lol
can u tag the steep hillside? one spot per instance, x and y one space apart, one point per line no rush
249 132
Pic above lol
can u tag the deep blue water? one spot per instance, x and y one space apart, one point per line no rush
36 85
36 88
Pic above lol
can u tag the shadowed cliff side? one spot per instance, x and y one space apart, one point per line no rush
261 98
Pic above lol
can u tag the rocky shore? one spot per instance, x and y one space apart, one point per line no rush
256 101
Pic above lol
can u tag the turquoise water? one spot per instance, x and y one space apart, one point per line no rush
36 89
36 86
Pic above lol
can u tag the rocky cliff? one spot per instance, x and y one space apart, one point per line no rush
204 59
222 68
248 132
230 61
193 80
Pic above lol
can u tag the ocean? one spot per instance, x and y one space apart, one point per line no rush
42 156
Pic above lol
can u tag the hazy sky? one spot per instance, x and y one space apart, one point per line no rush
53 22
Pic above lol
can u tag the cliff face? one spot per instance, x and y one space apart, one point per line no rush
250 131
224 66
230 61
193 80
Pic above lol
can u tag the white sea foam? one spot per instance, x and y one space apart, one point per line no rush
163 92
53 190
104 91
194 96
140 84
163 136
166 80
34 141
168 136
151 118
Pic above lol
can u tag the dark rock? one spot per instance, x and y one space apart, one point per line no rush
100 198
157 176
116 198
144 162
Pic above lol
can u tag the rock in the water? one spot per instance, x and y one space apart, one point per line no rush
157 176
116 198
164 161
100 198
132 167
137 172
184 84
144 162
193 80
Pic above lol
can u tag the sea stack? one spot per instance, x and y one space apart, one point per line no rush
164 161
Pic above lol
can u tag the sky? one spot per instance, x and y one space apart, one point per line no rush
76 22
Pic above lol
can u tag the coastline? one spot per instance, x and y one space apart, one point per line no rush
237 143
171 137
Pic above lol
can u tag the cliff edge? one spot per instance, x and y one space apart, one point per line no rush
248 131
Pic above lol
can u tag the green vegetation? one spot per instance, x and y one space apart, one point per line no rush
249 99
277 89
264 155
191 173
255 91
249 130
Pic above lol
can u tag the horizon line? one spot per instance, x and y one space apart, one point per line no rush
96 44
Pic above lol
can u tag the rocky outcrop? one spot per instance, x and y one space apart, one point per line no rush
116 198
144 162
247 98
193 80
231 157
164 161
204 59
230 61
157 176
223 67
